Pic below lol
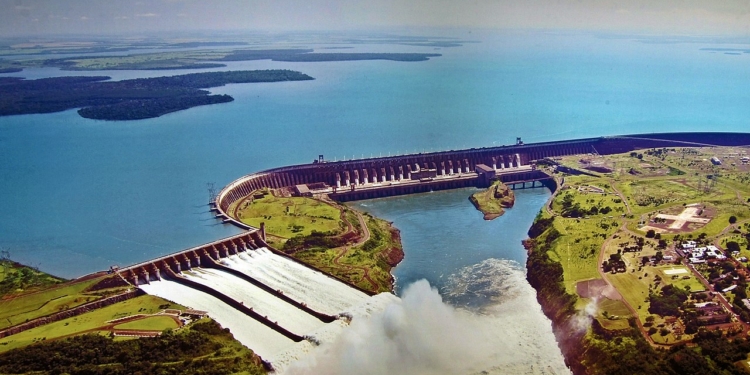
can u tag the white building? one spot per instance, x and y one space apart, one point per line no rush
689 245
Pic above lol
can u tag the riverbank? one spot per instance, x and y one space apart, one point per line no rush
602 279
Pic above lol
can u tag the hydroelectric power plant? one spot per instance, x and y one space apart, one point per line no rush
281 307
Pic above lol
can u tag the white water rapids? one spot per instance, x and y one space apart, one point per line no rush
488 324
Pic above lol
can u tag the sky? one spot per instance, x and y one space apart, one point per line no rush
673 17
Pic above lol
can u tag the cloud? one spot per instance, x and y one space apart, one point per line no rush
21 7
146 15
84 18
121 17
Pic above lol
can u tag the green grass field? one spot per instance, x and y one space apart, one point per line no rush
654 183
289 217
646 195
152 323
29 306
17 279
148 61
370 255
588 199
578 248
613 314
90 321
691 283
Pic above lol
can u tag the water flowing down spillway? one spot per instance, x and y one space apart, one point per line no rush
263 340
262 302
320 292
315 289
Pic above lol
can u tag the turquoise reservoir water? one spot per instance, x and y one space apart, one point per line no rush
442 232
476 266
80 195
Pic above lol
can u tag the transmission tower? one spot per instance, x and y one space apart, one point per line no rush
211 191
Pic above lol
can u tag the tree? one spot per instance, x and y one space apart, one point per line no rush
650 233
732 219
668 302
732 246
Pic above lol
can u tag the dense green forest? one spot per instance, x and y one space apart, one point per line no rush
316 57
204 348
307 55
213 59
128 99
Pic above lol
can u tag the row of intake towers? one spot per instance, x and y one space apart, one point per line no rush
419 171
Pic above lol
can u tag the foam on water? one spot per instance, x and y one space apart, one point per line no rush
330 333
495 333
262 302
496 291
320 292
317 290
263 340
484 320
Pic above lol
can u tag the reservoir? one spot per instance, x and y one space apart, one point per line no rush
443 233
82 195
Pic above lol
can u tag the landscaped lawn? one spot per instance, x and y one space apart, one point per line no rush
152 323
34 305
289 217
87 322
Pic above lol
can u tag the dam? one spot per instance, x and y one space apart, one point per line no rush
281 307
270 301
423 172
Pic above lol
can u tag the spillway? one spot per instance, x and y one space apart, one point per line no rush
318 291
263 340
262 302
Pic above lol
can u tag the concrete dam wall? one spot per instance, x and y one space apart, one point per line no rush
423 172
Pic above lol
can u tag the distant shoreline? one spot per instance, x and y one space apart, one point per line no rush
132 99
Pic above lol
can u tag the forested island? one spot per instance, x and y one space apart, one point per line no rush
493 201
214 59
131 99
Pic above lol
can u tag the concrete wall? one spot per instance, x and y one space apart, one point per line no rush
342 174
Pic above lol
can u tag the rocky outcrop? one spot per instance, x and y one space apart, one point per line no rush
493 201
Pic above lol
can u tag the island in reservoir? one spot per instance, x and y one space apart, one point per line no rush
494 200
